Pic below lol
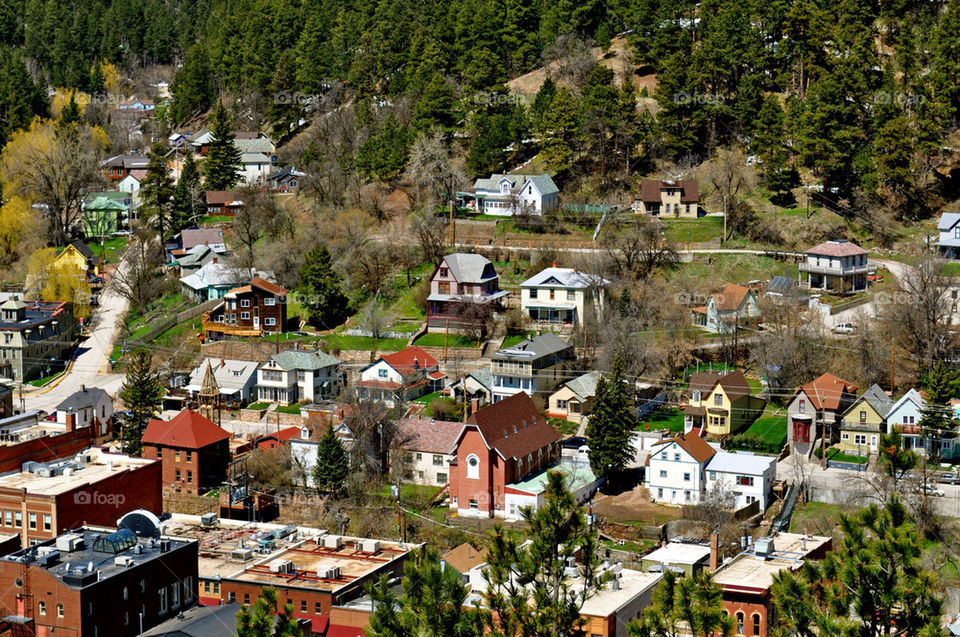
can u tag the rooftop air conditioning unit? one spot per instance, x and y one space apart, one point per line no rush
241 555
764 547
43 472
332 541
49 558
70 542
123 560
208 519
281 566
370 546
333 572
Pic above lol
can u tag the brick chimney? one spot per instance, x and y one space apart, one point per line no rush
714 551
474 405
214 259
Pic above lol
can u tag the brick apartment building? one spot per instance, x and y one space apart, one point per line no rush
193 450
97 582
94 487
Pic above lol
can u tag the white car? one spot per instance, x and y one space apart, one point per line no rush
929 489
844 328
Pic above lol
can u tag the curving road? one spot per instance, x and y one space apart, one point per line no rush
90 365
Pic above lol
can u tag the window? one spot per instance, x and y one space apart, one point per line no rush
47 522
189 477
686 477
317 608
552 293
270 301
244 316
745 481
739 623
163 600
686 495
663 473
659 493
663 456
696 397
756 623
801 406
32 520
534 293
860 439
676 456
59 610
176 455
911 420
303 605
863 416
473 504
269 321
244 302
444 271
571 295
189 456
206 587
246 598
473 467
381 373
301 376
562 404
718 400
845 437
42 608
8 518
178 475
175 594
437 460
441 477
713 475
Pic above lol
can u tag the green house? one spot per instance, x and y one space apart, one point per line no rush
102 216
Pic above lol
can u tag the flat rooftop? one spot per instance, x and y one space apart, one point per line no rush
243 551
29 429
749 571
87 467
84 565
679 553
631 584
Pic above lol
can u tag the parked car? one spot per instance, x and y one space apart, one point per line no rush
929 489
947 477
844 328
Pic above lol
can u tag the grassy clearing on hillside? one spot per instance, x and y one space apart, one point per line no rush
111 250
683 232
716 270
668 418
435 339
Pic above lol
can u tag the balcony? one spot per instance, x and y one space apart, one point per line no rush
908 429
834 270
226 328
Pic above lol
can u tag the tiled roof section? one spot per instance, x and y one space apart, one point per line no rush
650 190
514 427
836 248
826 391
703 381
187 430
692 444
464 557
731 298
735 385
410 359
284 434
428 435
272 288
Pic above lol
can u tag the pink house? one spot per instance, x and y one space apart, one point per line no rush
464 289
501 444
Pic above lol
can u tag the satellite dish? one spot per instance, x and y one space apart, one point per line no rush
141 523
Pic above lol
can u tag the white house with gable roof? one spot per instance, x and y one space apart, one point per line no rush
562 296
675 471
746 476
506 195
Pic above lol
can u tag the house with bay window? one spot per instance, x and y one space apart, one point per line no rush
400 377
464 292
530 366
506 195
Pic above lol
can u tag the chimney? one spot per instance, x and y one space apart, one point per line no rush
474 405
222 363
714 551
214 259
554 264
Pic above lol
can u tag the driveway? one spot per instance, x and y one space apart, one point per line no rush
91 361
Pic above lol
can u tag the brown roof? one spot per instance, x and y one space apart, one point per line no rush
731 297
826 391
217 197
703 381
514 427
836 248
464 557
199 236
650 190
428 435
273 288
692 444
735 385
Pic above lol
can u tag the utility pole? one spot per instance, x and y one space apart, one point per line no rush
736 333
892 355
452 235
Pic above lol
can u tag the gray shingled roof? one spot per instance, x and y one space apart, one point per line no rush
878 399
948 220
543 182
82 399
567 277
542 345
584 386
295 359
469 268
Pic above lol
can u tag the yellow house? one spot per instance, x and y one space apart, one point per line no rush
573 399
722 403
77 257
865 421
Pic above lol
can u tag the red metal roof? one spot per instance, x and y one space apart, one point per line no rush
409 359
336 630
273 288
187 430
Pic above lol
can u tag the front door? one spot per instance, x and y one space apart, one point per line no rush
256 318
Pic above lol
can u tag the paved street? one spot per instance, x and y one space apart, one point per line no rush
90 363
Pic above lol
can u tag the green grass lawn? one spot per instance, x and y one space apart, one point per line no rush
755 385
434 339
693 231
113 247
720 269
815 517
289 409
671 419
193 326
839 456
211 219
512 339
950 269
367 343
563 425
258 406
40 382
772 429
426 399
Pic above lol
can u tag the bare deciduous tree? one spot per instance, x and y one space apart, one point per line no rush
638 247
431 233
433 168
727 177
138 277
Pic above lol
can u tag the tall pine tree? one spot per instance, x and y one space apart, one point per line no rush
319 288
936 417
222 166
612 420
142 394
332 468
188 198
156 193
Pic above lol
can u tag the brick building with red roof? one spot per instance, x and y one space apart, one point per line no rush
194 451
401 376
501 444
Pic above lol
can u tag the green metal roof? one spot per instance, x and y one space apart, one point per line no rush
575 476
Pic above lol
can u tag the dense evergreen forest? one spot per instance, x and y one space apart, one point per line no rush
863 96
